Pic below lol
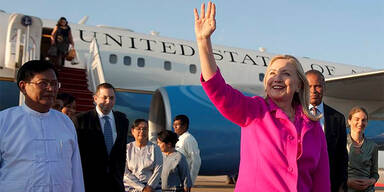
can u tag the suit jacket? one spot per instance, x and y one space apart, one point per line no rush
102 172
335 133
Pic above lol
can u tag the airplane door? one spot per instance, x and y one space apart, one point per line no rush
23 40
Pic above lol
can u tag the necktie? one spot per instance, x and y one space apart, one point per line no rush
314 111
108 138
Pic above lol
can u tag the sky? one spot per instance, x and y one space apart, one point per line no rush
342 31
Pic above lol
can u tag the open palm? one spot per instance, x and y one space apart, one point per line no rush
206 24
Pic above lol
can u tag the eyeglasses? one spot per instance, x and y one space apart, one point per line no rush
44 84
141 129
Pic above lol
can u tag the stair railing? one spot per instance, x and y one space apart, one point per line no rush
95 71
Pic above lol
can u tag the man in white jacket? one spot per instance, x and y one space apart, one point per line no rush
187 145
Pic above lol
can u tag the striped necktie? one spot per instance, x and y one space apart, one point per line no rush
314 111
108 138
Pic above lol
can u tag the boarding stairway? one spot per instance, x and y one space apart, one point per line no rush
74 81
26 40
82 82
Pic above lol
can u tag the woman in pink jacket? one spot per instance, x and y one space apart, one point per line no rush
283 147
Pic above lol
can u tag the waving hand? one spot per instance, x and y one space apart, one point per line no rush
206 23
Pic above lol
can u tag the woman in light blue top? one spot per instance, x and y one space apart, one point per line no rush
144 161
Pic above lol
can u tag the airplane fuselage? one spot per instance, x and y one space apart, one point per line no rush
158 77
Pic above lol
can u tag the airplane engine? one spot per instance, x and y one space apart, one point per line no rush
218 138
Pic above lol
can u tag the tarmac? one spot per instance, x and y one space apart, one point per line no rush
212 184
218 184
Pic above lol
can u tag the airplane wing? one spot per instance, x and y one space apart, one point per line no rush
363 89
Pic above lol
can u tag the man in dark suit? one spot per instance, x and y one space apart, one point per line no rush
102 138
333 124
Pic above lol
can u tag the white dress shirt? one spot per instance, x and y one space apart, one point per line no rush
38 152
187 145
320 110
111 121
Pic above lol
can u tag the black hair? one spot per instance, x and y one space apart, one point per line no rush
137 122
167 136
62 18
29 69
184 120
105 86
66 98
317 73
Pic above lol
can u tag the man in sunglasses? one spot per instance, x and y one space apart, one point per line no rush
38 145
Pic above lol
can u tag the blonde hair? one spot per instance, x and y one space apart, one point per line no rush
301 97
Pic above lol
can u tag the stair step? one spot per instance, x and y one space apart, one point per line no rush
72 69
74 81
85 99
80 91
85 108
75 86
72 75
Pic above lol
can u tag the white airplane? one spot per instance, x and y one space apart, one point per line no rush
158 77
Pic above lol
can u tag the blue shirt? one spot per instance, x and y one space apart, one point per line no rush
38 152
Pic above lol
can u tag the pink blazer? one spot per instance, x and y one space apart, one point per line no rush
276 154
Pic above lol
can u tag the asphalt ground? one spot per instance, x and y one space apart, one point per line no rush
218 184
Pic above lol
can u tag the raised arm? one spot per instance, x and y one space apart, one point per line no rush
205 25
231 103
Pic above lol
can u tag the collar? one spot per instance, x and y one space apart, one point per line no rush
320 107
271 105
101 115
184 134
350 141
33 112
